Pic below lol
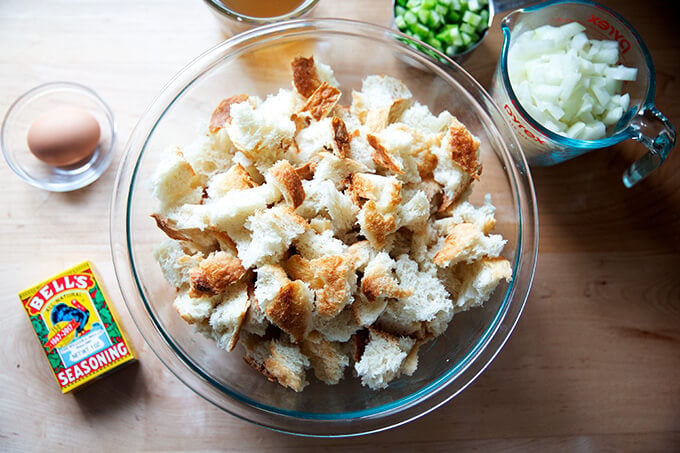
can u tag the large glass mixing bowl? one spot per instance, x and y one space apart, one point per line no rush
258 63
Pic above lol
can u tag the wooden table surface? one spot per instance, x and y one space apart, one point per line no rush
594 363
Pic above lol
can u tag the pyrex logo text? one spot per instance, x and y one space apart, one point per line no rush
613 32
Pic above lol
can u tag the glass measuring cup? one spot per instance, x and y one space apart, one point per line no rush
642 121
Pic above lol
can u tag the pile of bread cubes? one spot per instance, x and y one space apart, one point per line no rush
325 237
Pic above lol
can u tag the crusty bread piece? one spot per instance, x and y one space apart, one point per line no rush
379 281
378 92
305 77
466 242
366 311
287 365
454 180
312 140
359 255
384 190
221 116
429 295
215 273
398 148
228 317
283 176
410 363
463 148
236 178
374 225
255 321
209 154
382 359
323 198
326 358
361 151
322 101
377 120
480 280
175 263
414 212
341 138
313 245
192 239
336 277
271 278
483 216
272 232
230 212
340 328
175 183
264 133
291 310
418 116
336 169
194 310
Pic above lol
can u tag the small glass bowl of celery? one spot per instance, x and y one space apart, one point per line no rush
453 27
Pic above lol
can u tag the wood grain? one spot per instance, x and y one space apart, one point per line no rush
592 366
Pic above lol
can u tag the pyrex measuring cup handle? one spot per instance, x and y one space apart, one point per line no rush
506 5
656 133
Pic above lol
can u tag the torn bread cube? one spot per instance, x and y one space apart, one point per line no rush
235 178
384 190
215 273
382 359
419 117
291 310
175 263
229 212
479 280
466 242
283 176
175 183
428 302
272 232
376 226
336 169
327 358
340 328
312 140
312 244
378 92
323 198
271 278
195 309
228 317
287 364
265 132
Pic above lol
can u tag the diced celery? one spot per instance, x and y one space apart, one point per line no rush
410 18
434 20
423 15
400 23
453 16
446 3
434 42
421 31
452 51
474 5
472 18
402 3
467 39
399 10
429 4
467 28
413 3
441 9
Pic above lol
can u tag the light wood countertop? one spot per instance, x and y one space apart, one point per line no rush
593 364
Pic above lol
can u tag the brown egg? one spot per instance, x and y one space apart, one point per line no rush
64 136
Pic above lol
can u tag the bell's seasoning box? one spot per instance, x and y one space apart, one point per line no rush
76 326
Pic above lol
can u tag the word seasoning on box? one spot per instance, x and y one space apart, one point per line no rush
76 326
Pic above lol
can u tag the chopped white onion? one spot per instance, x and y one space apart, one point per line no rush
567 82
